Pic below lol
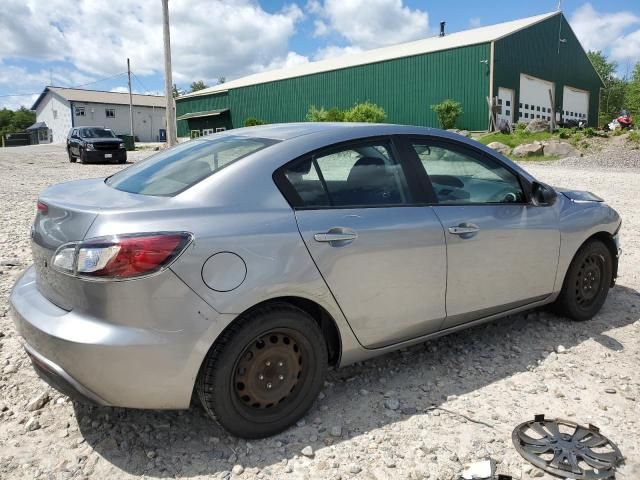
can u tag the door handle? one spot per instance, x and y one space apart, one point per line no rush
464 229
335 237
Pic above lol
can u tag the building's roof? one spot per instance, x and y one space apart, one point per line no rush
208 113
99 96
37 126
428 45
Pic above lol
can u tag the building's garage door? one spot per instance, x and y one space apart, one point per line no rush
534 98
575 104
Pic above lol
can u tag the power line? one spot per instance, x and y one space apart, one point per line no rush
76 86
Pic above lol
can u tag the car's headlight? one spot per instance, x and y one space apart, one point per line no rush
89 146
121 145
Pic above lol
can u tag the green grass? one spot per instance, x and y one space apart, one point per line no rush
519 137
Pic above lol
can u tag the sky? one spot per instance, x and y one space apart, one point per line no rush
44 42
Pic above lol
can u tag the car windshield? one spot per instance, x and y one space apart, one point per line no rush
96 133
176 169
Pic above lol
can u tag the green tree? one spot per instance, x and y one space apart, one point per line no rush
176 92
366 112
612 98
221 80
16 121
448 113
633 92
199 85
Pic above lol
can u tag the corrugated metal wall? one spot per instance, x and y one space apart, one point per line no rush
406 88
534 51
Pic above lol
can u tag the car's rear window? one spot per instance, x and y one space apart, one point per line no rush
176 169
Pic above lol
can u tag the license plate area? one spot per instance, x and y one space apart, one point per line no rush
108 155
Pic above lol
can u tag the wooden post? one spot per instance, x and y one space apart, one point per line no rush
552 124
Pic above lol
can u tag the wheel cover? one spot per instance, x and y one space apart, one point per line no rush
589 280
567 449
268 371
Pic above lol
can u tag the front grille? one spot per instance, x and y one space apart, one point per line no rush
105 146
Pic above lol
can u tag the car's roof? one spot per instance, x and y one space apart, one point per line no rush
286 131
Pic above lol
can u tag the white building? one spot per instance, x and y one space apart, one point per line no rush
58 109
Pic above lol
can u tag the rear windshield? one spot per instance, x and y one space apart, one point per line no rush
96 133
176 169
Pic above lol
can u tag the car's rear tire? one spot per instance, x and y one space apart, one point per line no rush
264 372
72 159
587 282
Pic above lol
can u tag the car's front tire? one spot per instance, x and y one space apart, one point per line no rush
72 159
264 372
83 156
586 284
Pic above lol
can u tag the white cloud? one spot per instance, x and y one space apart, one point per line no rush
607 32
475 22
370 23
209 39
291 60
333 51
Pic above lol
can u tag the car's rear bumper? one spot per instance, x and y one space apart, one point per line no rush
100 156
114 364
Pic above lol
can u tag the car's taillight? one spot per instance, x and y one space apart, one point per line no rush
43 208
121 256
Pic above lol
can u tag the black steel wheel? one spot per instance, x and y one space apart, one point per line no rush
83 156
567 449
587 282
72 159
264 372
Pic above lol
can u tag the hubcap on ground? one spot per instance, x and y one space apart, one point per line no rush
567 449
589 280
268 370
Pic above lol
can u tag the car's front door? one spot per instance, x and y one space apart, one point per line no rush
502 252
380 250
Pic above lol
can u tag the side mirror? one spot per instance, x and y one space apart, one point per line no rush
542 195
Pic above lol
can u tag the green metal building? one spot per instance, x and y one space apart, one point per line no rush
518 62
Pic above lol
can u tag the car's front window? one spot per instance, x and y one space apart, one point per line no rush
176 169
460 177
96 133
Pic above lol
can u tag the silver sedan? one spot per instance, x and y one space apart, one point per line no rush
240 266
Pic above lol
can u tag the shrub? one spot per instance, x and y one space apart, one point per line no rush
521 126
253 121
366 112
634 137
448 113
316 114
564 133
334 115
589 132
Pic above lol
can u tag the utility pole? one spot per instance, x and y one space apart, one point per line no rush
168 80
130 100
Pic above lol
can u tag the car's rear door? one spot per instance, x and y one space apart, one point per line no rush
502 251
378 247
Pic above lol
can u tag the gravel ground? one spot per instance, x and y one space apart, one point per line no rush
373 420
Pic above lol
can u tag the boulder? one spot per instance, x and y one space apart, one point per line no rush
529 150
500 148
560 149
464 133
537 125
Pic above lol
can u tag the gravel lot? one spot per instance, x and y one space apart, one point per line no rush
373 420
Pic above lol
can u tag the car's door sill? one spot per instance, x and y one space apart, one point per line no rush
405 343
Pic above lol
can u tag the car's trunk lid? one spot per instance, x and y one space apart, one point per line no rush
71 209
